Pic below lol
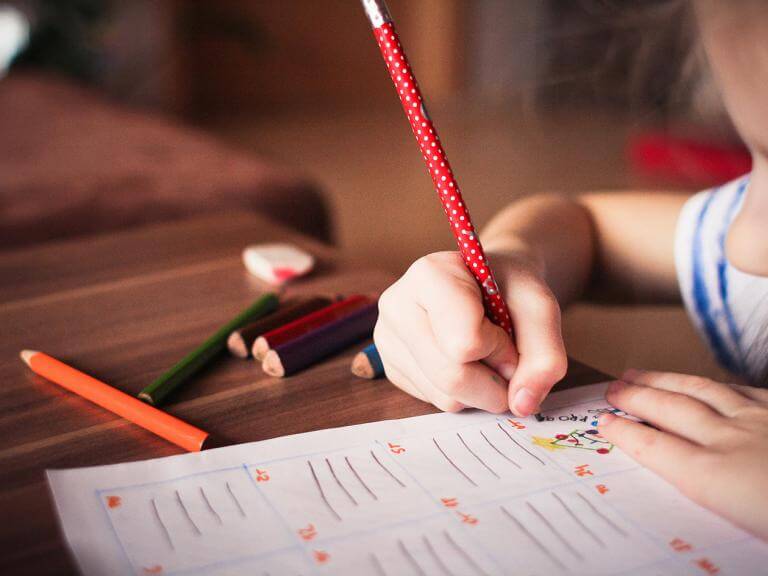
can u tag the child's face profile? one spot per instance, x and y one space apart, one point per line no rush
735 36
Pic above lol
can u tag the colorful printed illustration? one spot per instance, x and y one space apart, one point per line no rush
583 439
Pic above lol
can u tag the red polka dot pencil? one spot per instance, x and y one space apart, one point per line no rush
437 163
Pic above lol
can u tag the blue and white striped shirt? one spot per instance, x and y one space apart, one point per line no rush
729 307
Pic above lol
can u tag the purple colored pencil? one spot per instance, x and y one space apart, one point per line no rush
312 347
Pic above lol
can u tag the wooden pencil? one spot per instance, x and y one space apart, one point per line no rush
296 354
120 403
180 373
306 324
367 363
241 340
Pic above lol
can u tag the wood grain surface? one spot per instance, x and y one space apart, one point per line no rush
124 308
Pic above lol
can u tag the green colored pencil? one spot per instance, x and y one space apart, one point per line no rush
156 392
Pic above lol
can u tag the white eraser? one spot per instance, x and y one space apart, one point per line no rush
277 263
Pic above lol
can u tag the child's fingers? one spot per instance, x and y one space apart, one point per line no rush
407 373
472 383
538 336
719 396
676 413
441 285
673 458
444 288
756 394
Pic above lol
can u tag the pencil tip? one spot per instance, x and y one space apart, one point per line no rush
26 355
237 346
361 366
272 364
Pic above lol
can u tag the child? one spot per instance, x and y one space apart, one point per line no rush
709 439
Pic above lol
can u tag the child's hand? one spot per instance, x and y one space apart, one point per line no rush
711 442
437 344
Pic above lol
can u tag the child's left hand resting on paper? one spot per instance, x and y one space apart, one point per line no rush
710 440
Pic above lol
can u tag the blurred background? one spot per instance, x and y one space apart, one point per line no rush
121 113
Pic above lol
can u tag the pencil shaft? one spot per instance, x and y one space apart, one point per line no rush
315 320
326 340
439 168
130 408
180 372
241 340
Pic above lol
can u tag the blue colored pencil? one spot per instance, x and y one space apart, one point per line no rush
367 363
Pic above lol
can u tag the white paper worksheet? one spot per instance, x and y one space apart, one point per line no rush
448 494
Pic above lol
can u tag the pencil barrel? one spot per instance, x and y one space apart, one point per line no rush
440 171
156 421
180 372
327 340
241 340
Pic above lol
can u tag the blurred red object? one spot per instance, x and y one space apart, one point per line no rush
687 160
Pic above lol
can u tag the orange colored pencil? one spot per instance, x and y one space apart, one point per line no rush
109 398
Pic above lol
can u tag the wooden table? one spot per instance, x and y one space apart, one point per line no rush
124 308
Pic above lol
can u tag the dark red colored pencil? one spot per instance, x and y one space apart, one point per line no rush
241 341
304 351
306 324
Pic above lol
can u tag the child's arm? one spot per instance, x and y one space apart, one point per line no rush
618 245
435 341
708 439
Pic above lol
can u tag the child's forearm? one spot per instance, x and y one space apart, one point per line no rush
617 245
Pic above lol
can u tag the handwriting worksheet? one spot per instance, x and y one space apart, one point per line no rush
447 494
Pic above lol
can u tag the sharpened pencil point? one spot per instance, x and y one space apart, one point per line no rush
146 398
361 366
237 346
26 355
272 364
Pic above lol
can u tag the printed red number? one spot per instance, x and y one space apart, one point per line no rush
114 501
707 566
516 424
583 470
261 475
308 533
680 545
601 488
321 557
395 448
468 518
153 570
450 502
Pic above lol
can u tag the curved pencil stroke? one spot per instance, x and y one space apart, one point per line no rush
452 463
520 445
578 520
322 492
435 557
492 445
483 462
360 479
464 554
563 540
236 501
186 514
163 527
387 470
536 542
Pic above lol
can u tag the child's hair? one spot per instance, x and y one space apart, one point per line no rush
643 54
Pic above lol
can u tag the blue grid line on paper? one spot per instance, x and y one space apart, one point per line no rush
297 544
442 509
98 494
